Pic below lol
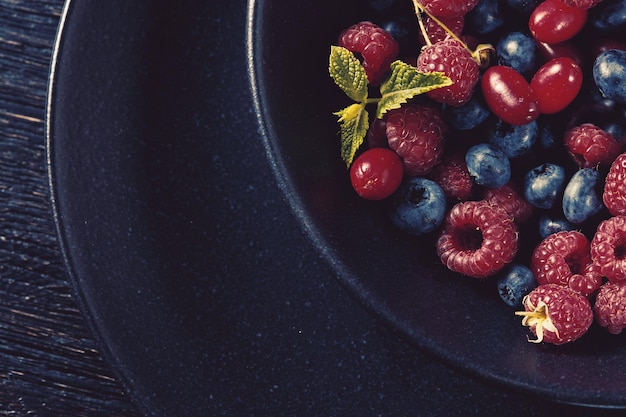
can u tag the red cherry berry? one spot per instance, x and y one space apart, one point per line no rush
553 21
562 75
556 314
376 173
564 49
509 96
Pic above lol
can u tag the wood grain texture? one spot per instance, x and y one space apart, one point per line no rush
49 364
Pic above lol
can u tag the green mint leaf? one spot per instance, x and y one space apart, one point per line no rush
406 82
348 73
354 122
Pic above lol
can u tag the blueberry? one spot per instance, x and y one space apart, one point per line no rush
402 28
548 137
514 282
517 50
418 206
544 184
488 166
549 225
468 116
582 197
609 16
514 141
485 17
609 74
617 129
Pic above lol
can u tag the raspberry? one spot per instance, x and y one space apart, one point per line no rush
377 47
454 178
591 146
437 33
452 58
610 306
608 248
447 9
556 314
560 256
416 133
377 134
478 239
582 4
509 197
588 282
614 195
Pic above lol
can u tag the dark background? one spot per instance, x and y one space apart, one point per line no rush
301 350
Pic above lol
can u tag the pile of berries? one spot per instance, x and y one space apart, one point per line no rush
517 169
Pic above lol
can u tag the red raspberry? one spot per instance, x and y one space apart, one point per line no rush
610 306
416 133
556 314
608 248
377 134
560 256
454 60
512 200
437 33
454 178
448 9
614 195
591 146
588 282
377 47
478 239
582 4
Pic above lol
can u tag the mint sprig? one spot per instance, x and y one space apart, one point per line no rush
404 83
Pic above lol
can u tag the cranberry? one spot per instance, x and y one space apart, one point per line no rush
551 51
509 95
554 22
376 173
556 84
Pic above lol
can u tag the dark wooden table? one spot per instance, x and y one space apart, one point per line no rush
49 365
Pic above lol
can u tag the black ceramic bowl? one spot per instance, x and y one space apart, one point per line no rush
159 175
460 320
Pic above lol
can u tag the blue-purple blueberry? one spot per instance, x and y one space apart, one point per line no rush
518 51
514 141
582 197
549 225
544 185
609 74
418 206
515 282
488 166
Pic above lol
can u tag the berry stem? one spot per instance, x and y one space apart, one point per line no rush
418 12
419 9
